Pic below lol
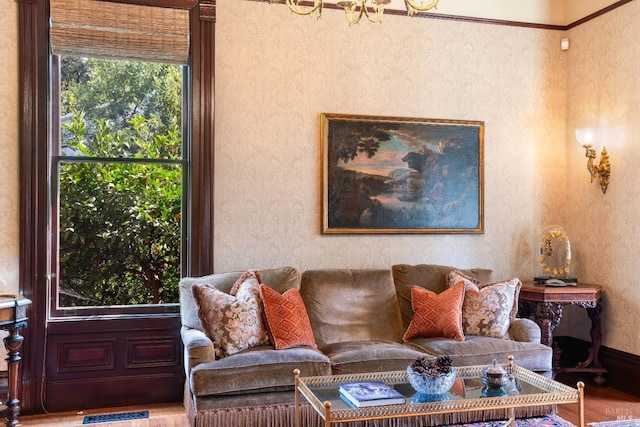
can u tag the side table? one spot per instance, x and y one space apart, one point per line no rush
13 317
544 304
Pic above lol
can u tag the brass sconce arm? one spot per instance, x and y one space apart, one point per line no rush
602 170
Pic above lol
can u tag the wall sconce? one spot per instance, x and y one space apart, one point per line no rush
587 137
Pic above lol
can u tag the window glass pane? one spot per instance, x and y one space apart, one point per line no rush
121 173
120 109
119 234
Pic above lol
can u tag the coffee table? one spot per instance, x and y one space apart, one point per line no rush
527 389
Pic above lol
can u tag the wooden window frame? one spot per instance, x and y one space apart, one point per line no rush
35 167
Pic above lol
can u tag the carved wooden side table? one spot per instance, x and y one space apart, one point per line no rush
544 305
13 317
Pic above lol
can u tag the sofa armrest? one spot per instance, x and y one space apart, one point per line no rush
524 330
198 348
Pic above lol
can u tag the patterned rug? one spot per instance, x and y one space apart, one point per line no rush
546 421
617 423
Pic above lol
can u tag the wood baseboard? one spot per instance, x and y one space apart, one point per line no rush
623 368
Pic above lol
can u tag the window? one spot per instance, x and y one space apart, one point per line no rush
119 157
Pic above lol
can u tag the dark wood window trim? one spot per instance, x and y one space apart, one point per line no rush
35 168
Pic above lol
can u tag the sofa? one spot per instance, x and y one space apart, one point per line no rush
359 320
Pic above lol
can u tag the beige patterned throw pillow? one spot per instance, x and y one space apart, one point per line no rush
233 322
487 310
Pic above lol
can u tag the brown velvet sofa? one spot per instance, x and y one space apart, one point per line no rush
358 319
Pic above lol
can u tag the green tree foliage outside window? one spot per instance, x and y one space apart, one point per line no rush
120 183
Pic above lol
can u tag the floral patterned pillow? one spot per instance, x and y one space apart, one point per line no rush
233 322
487 310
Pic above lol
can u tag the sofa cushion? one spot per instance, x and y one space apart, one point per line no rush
351 305
257 369
487 310
287 320
369 356
475 350
431 277
233 322
279 279
436 315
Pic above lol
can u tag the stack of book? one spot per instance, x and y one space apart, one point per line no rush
370 393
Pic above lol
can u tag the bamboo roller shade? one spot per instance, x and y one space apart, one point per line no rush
90 28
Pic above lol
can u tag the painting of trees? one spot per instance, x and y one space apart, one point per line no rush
392 175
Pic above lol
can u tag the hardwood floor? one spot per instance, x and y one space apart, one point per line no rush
166 415
601 404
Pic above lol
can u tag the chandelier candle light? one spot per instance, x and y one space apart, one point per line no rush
356 9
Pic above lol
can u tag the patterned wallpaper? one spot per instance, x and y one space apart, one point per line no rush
604 92
9 206
276 73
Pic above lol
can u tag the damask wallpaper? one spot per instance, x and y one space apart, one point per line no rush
604 92
9 206
276 73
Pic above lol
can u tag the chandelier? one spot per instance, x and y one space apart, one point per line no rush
356 9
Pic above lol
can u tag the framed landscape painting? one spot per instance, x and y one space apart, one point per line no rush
401 175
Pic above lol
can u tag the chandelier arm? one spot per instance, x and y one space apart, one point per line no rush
378 8
295 7
349 12
412 7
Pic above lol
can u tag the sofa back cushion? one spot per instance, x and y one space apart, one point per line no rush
279 279
430 277
351 305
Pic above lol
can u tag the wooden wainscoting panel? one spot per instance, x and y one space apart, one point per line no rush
115 362
85 356
158 351
111 392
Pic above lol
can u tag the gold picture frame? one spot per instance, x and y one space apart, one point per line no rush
401 175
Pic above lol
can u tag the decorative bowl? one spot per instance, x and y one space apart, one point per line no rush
424 398
431 384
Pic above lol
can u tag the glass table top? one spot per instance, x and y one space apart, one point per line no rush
525 388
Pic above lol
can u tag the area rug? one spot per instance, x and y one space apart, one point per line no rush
617 423
546 421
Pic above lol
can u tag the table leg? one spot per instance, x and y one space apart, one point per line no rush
596 341
13 343
548 315
596 338
580 386
296 374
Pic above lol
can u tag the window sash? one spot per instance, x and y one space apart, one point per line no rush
55 313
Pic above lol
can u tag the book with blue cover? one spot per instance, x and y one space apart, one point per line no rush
370 393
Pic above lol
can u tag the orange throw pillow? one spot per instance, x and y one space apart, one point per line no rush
287 319
436 315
